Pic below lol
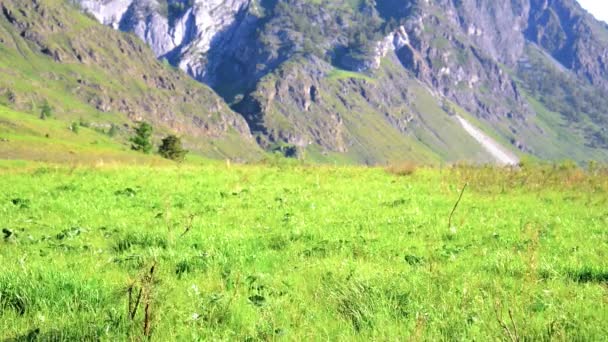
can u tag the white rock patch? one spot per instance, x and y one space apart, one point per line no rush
501 154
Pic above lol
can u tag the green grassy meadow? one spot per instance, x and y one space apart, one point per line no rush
293 252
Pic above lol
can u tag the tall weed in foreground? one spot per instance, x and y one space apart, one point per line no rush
142 296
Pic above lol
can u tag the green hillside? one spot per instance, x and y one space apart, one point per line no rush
348 116
27 137
51 53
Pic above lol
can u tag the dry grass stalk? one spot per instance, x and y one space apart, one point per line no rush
145 293
406 168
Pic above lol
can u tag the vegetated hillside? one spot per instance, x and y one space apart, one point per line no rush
322 76
52 54
26 137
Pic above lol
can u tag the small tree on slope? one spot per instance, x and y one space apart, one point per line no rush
141 141
171 148
46 111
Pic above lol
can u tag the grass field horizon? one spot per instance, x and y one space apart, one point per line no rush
293 252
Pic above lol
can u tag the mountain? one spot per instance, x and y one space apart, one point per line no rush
377 81
52 55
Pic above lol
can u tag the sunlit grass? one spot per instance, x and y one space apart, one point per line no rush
284 251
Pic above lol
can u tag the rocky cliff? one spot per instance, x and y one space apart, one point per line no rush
181 31
378 80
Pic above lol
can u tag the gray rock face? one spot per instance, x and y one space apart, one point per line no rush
177 30
496 27
107 12
186 32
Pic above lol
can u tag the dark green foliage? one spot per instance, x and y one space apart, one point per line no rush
141 240
46 110
133 261
304 27
589 275
299 19
13 298
142 141
363 36
8 97
176 9
413 260
191 265
285 149
394 12
448 108
113 130
21 203
257 300
9 235
75 127
171 148
128 192
70 233
600 138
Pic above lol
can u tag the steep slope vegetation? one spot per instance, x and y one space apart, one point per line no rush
25 137
52 54
503 63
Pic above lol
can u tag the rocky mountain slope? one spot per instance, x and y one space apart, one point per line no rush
51 53
374 81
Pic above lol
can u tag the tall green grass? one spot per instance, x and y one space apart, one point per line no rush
291 252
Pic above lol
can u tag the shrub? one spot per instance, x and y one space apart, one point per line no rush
75 127
402 169
142 139
171 148
46 111
285 149
113 130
